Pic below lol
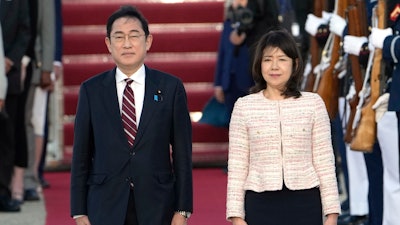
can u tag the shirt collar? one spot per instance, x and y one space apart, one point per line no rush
137 77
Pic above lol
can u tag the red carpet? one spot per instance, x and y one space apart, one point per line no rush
209 198
57 199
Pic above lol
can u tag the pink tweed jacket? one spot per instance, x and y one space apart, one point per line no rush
271 142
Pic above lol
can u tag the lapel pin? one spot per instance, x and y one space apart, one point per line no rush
158 97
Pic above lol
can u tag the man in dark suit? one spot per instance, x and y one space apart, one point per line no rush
14 17
117 182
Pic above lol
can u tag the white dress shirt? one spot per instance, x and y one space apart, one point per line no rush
137 86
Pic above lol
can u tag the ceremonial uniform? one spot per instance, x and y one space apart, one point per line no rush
389 124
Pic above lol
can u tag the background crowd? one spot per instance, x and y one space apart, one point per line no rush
31 34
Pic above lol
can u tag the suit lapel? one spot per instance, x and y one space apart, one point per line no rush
110 100
149 103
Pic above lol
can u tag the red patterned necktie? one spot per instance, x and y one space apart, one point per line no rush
129 113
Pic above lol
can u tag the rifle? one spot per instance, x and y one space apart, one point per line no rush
314 49
366 129
357 27
328 86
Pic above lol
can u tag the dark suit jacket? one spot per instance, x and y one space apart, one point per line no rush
103 163
14 17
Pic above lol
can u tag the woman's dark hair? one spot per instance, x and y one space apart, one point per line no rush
282 39
130 12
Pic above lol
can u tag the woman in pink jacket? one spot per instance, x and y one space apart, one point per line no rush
281 167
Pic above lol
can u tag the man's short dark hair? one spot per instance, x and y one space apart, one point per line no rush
130 12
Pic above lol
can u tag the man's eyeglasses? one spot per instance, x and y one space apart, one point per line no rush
120 38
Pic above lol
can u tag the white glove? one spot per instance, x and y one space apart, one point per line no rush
378 36
371 47
341 66
352 92
312 24
342 74
381 106
337 25
326 15
320 67
352 44
25 60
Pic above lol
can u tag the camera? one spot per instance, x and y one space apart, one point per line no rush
242 19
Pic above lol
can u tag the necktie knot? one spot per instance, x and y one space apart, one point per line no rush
128 81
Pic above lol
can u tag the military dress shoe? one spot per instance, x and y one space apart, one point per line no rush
344 215
44 183
9 205
345 205
18 201
31 195
352 220
364 223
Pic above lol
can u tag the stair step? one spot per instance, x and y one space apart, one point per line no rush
203 133
197 94
166 38
210 154
96 12
190 67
